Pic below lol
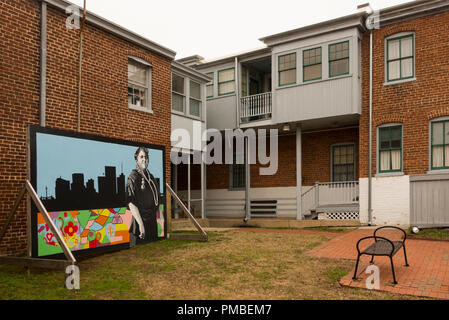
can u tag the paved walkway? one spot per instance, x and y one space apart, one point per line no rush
427 275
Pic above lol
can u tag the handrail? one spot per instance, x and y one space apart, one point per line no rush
313 187
255 95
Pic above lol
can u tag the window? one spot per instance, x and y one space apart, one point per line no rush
226 81
287 69
400 58
339 59
237 174
343 163
440 145
312 64
195 99
178 93
210 86
390 149
139 84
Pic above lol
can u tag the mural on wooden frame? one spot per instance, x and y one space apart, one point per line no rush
102 193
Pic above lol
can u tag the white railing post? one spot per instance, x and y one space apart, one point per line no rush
317 195
256 105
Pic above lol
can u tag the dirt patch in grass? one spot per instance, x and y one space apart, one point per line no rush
232 265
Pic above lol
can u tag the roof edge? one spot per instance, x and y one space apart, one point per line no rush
328 23
116 29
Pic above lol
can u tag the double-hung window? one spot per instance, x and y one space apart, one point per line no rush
440 145
400 58
343 163
210 86
178 93
226 81
390 148
339 59
195 99
287 69
237 174
312 64
139 84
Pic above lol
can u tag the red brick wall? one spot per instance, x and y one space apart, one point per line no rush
104 110
316 149
414 103
316 153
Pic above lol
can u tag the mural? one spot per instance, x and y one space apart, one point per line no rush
99 192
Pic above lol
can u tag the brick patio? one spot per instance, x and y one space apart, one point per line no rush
427 275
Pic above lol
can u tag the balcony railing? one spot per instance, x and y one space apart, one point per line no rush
256 107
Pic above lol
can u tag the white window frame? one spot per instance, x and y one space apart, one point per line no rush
200 100
392 37
148 88
211 84
184 103
435 171
220 94
389 173
343 144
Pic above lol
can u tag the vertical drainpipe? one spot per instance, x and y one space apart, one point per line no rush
247 181
370 151
43 66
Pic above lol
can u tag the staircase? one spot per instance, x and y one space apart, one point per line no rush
335 200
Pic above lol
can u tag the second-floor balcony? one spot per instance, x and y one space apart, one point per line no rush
256 107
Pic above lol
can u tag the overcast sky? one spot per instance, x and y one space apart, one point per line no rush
212 28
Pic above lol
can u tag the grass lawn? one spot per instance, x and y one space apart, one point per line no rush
430 234
232 265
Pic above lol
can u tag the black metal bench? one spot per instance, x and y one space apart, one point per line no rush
382 247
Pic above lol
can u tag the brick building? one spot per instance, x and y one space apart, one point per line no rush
410 104
39 85
313 85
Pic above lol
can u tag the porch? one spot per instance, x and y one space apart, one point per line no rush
322 201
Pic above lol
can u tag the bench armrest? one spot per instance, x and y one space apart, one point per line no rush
392 227
375 239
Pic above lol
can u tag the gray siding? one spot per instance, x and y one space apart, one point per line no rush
222 113
429 200
316 100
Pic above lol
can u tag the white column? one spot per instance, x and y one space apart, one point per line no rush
247 180
298 173
175 178
188 182
203 186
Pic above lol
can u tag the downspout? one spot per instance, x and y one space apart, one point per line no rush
247 182
43 66
80 68
370 150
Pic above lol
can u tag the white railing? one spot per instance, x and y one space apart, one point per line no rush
255 106
338 193
308 201
329 193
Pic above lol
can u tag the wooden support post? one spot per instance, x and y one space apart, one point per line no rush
50 223
28 262
187 212
169 212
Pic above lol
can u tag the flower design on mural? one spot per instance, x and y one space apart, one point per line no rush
70 229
